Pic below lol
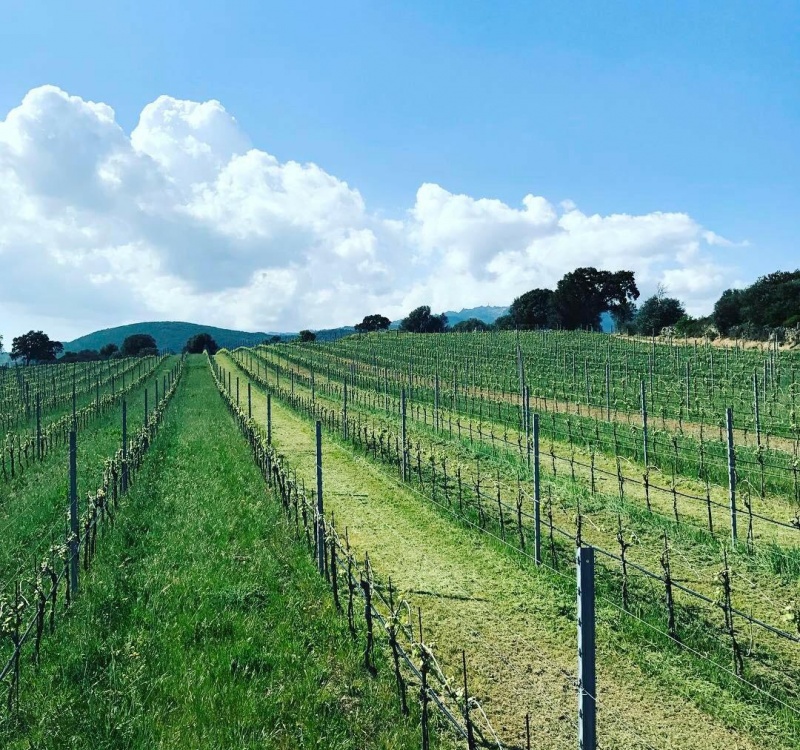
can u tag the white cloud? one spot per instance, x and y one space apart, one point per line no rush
185 219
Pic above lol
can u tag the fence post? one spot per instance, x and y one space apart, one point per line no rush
436 401
124 446
320 515
644 424
237 391
39 425
269 419
756 415
403 434
537 504
587 679
731 471
344 411
145 406
249 401
73 514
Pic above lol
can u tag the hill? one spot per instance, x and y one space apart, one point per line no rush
487 314
171 335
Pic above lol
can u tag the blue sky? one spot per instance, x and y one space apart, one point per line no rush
622 108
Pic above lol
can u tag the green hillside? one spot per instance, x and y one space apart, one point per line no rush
170 335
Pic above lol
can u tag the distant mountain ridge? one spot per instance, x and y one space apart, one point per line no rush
173 335
170 335
487 314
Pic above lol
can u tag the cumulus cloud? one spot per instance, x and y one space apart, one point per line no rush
185 219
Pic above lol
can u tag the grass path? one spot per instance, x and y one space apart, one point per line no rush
519 632
201 625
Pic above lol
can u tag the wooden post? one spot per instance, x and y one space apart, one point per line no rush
587 678
249 401
320 515
731 471
73 514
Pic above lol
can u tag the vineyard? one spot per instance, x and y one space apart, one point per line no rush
404 540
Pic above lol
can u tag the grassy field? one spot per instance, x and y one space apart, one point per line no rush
204 623
201 625
32 503
517 621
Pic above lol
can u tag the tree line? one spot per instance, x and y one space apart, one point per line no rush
768 307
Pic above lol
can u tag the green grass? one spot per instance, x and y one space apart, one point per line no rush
33 503
201 624
699 681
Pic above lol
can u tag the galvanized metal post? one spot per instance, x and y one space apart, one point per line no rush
688 390
403 433
527 416
756 415
269 419
731 471
587 678
320 515
436 401
537 495
344 411
73 514
644 424
39 425
124 446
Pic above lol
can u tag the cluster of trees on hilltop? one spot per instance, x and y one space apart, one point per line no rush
578 301
582 296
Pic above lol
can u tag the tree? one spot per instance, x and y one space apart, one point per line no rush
728 311
108 350
772 300
420 320
84 355
1 342
624 317
373 323
532 309
35 346
135 345
470 325
200 343
505 323
658 312
584 294
306 336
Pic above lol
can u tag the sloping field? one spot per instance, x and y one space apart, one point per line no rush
187 610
